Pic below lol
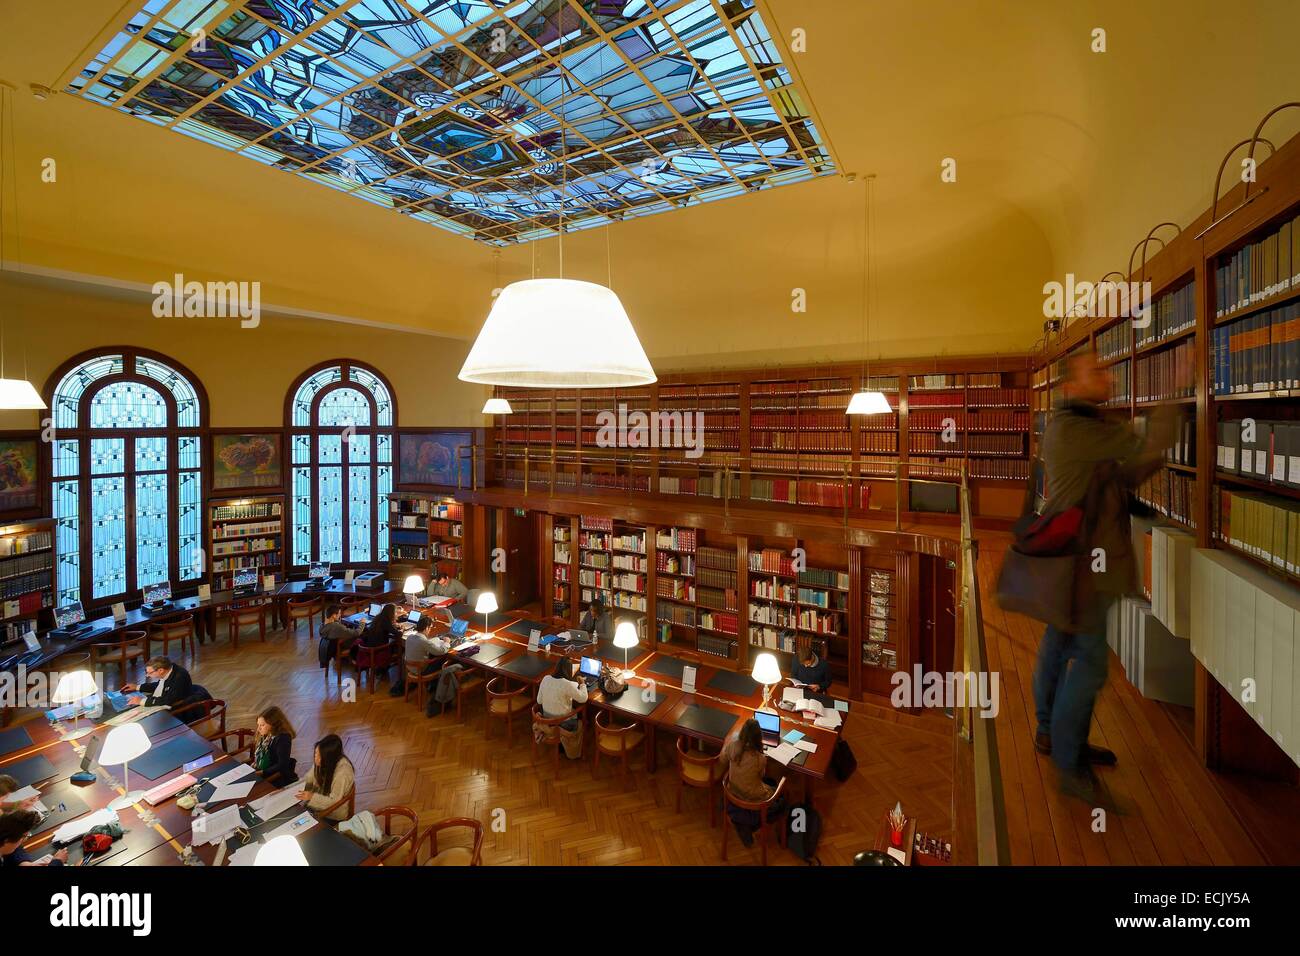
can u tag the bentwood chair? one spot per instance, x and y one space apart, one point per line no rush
243 738
369 661
700 769
552 739
762 808
504 703
471 855
204 716
178 628
616 741
241 617
300 608
418 680
130 646
398 849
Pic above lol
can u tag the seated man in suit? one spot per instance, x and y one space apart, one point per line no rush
444 585
169 685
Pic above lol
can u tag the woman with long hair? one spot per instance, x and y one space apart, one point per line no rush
272 747
383 629
743 763
329 779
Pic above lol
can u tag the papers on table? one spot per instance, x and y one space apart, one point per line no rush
792 694
76 829
830 720
134 714
230 776
793 736
246 855
897 854
842 706
215 827
232 791
273 804
18 796
782 753
298 825
807 745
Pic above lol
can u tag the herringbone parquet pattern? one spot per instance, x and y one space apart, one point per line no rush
441 768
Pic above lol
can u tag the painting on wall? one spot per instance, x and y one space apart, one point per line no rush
18 476
245 461
430 458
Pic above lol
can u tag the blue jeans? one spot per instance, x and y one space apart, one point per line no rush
1070 672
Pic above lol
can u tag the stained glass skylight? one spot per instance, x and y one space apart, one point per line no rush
502 120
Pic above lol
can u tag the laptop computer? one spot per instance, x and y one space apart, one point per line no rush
590 670
770 724
458 628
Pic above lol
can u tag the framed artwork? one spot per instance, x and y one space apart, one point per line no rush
19 479
245 461
430 458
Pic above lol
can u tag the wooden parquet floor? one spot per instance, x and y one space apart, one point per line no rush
1168 808
442 768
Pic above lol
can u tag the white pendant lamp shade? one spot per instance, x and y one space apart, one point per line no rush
557 333
17 393
868 403
497 406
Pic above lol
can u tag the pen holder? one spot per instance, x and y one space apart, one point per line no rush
895 836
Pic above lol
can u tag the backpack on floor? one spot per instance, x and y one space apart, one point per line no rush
801 838
843 763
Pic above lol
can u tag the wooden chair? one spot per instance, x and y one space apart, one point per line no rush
418 679
469 679
210 712
553 740
241 617
299 608
350 601
698 769
761 808
614 740
394 842
368 660
349 798
130 646
244 740
178 628
471 855
504 703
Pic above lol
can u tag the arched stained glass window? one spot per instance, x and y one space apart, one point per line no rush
127 476
341 418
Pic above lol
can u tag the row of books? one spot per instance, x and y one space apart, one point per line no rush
27 564
977 420
879 442
1171 314
721 558
915 382
244 546
23 543
772 589
629 582
803 441
243 561
1259 269
1156 377
593 541
595 523
998 468
407 520
562 553
630 542
675 588
715 577
1259 352
20 584
562 572
561 532
772 561
966 442
675 614
820 577
29 603
668 562
1113 342
1183 450
630 562
829 600
822 493
595 579
1121 383
1263 526
773 614
715 646
773 639
826 421
1263 450
676 539
820 622
452 552
723 621
265 509
999 398
595 559
628 602
1171 494
623 482
724 599
246 530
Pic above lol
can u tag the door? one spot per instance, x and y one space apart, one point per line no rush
517 533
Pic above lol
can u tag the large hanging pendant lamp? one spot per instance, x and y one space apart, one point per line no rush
867 401
558 333
16 394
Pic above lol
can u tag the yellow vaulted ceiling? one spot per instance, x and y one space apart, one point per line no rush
1064 158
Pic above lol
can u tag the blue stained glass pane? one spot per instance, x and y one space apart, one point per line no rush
66 461
385 489
151 454
68 522
358 449
383 401
360 505
329 528
151 551
108 536
187 452
301 449
189 544
343 407
67 395
187 400
331 449
309 389
384 448
301 515
107 456
128 405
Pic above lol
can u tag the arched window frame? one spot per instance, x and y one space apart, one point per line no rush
82 466
317 450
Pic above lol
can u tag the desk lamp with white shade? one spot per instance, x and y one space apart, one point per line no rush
281 851
122 745
487 604
625 636
413 587
73 688
768 673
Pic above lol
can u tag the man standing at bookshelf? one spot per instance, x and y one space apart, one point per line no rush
1092 460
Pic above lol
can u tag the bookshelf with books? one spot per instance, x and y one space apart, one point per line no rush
27 575
245 533
447 536
675 568
408 534
562 567
791 604
976 420
710 416
595 559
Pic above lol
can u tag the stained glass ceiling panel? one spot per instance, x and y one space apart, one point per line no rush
501 120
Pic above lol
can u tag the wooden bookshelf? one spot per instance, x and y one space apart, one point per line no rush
246 532
408 534
27 576
447 536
